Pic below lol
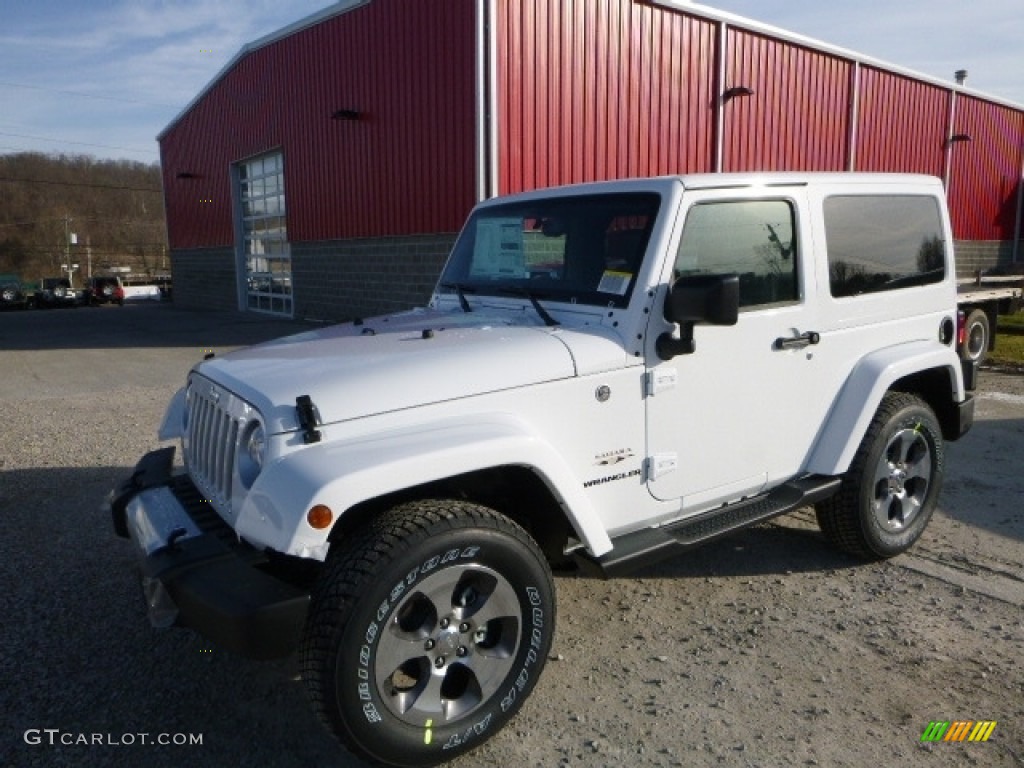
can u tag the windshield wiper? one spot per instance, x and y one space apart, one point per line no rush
549 321
460 290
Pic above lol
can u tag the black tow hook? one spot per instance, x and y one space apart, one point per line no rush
172 541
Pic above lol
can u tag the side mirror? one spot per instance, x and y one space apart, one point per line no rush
692 299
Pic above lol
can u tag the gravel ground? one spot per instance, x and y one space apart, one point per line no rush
765 649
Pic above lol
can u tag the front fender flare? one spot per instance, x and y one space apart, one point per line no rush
860 397
344 474
172 425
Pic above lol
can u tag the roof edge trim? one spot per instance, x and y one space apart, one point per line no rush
336 9
751 25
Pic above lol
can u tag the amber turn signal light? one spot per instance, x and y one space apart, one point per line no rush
319 516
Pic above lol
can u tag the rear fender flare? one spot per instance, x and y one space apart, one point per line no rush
871 378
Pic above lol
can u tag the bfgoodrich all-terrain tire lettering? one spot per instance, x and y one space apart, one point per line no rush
888 495
428 629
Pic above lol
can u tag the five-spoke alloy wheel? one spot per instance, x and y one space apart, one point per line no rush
428 629
889 492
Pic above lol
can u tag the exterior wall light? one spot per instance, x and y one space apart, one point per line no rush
735 91
188 175
958 137
346 114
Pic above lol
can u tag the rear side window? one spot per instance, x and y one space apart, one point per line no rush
883 243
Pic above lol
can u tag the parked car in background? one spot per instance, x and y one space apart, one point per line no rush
57 292
12 293
106 289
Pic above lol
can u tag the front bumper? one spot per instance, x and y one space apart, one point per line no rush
195 571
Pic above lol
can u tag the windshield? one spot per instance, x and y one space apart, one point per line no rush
585 249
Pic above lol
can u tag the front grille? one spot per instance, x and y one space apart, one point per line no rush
212 440
199 509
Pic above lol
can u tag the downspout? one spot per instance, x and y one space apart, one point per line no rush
492 94
854 118
723 50
949 141
1020 211
482 102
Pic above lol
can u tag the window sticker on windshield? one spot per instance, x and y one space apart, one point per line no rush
615 282
499 250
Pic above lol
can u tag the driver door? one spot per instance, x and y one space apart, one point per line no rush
741 412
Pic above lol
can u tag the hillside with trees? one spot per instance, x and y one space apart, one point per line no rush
114 209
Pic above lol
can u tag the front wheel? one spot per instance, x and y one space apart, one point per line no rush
427 631
889 492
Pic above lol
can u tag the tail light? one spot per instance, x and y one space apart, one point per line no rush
961 327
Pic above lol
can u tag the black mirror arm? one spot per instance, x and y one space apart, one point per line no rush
668 346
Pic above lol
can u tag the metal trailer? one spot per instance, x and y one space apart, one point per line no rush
981 299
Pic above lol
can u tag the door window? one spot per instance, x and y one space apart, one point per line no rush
751 238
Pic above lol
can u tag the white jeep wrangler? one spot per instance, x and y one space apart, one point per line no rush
607 373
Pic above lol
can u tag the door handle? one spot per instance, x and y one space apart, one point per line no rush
797 342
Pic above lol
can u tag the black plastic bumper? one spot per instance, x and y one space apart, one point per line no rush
202 577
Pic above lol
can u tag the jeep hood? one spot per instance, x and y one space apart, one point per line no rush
403 361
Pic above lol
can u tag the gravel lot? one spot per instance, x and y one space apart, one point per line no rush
765 649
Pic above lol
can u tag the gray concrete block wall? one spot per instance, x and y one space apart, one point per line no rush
204 277
985 255
344 279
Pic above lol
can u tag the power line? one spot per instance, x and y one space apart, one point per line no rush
78 143
80 184
158 222
89 95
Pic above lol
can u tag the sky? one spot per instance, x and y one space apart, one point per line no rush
104 77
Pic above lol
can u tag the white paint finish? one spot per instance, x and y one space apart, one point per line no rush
622 439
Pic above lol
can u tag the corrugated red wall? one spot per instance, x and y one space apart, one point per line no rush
601 89
604 89
985 172
797 117
406 167
585 90
901 125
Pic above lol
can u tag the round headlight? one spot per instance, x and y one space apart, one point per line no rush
256 445
253 452
185 410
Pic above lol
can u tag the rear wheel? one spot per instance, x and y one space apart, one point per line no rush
428 629
889 492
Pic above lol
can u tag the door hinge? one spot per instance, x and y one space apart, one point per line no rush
661 464
661 379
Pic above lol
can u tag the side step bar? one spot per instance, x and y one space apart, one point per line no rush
653 544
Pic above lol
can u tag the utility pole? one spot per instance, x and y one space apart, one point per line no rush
70 238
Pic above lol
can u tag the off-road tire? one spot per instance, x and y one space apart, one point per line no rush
428 628
889 492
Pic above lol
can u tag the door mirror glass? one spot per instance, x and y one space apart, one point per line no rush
713 299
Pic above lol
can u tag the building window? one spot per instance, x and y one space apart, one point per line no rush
265 254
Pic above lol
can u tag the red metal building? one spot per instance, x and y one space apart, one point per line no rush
324 172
